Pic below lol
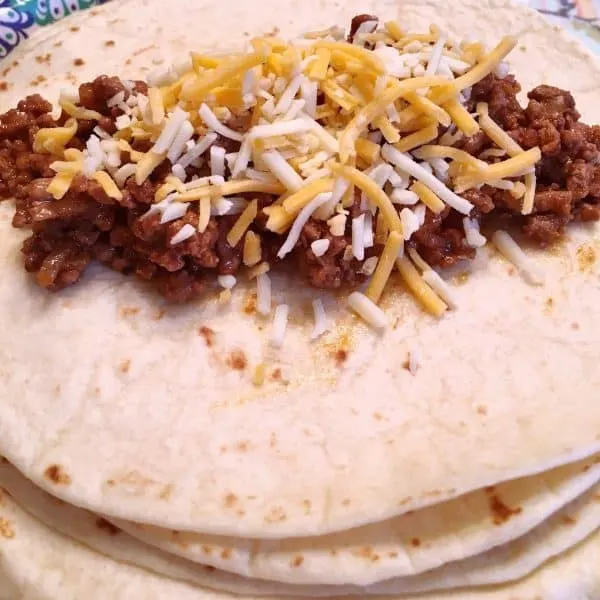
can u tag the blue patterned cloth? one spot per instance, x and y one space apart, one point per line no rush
19 17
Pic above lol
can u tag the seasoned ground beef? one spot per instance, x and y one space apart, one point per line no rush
86 225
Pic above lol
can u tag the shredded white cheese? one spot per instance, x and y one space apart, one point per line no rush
367 310
512 251
319 247
321 325
210 119
263 294
472 235
439 286
280 320
183 234
419 172
300 222
226 281
358 237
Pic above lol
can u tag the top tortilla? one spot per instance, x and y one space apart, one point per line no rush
507 387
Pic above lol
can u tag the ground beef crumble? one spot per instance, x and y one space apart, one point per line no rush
86 225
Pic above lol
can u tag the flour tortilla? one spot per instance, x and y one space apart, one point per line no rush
409 544
506 388
556 535
44 565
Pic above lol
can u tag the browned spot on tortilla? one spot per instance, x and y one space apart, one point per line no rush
129 311
242 446
208 334
39 79
273 441
340 356
482 410
3 86
393 554
378 416
549 305
7 530
297 561
367 552
79 62
500 511
124 366
107 526
575 325
57 475
416 542
237 360
230 500
57 44
128 61
346 502
568 520
275 515
240 513
406 364
307 506
250 304
511 271
404 501
43 58
276 374
333 552
74 28
226 554
109 43
57 389
159 314
396 323
207 549
586 257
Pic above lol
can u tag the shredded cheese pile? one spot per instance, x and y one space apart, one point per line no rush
322 118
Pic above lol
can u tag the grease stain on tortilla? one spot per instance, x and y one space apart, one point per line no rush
297 561
107 526
237 360
586 257
501 512
57 475
208 334
7 529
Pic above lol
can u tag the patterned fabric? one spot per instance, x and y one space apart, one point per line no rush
18 18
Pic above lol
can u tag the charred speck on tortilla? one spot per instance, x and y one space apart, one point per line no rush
343 157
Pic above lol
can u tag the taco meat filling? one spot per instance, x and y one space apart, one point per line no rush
108 180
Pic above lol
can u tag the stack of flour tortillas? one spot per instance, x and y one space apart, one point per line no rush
177 478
